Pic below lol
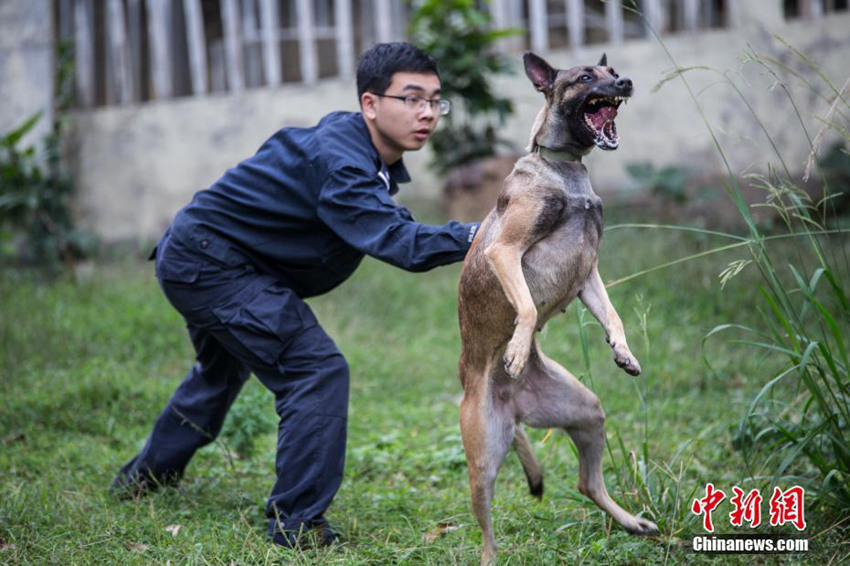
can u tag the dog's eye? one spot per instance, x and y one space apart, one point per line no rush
585 78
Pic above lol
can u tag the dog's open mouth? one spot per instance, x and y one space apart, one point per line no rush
599 114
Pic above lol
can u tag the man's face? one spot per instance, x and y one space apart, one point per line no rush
404 125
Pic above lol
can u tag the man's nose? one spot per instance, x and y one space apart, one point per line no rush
428 111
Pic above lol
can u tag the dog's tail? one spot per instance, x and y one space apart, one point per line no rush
530 465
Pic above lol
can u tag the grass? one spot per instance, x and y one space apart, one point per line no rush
86 367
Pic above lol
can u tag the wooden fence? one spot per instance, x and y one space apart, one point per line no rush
127 51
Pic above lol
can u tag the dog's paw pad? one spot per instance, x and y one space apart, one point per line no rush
627 363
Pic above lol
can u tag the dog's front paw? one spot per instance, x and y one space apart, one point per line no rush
516 355
624 359
641 526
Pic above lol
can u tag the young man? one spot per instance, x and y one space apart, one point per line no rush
291 222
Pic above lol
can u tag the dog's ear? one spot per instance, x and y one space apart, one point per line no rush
603 62
541 74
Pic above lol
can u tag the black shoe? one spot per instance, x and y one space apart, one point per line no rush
133 484
316 536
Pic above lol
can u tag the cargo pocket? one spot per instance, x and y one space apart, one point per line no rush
267 323
178 271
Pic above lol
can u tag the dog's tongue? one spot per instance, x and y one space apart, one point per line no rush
603 115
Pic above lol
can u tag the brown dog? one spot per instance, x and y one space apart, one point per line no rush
534 253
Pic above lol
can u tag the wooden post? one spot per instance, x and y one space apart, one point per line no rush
84 52
253 50
134 25
575 22
122 85
654 14
499 20
66 19
218 74
159 45
811 9
383 21
614 21
344 38
307 42
690 14
232 45
197 46
538 25
269 24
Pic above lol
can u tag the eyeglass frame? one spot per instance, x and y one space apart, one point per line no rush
439 102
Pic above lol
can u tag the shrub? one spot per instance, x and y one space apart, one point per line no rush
459 38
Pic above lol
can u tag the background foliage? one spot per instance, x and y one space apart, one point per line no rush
460 39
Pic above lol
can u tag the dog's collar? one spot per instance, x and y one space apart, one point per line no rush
553 155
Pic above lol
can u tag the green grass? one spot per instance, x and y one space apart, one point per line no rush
86 368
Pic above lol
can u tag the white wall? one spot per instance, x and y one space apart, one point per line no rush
136 166
26 65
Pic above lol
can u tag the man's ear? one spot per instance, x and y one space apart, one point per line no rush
367 105
541 74
603 62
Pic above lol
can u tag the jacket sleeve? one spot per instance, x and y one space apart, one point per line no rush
358 208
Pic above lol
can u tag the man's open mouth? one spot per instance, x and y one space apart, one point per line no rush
599 114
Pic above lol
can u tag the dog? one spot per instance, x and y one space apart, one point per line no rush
533 254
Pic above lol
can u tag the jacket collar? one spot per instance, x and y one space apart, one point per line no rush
398 172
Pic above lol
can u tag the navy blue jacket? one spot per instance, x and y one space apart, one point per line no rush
312 202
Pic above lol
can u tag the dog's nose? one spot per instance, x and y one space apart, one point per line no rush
624 83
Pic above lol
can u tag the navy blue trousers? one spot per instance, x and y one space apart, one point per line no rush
241 322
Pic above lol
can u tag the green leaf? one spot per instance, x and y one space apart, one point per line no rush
12 138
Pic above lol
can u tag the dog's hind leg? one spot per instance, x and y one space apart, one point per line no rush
533 472
487 430
551 397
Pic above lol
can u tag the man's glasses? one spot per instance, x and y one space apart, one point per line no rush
417 103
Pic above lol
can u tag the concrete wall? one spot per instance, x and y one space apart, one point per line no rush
26 64
136 166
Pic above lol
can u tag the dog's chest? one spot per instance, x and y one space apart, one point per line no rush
557 266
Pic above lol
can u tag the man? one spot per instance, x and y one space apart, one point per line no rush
291 222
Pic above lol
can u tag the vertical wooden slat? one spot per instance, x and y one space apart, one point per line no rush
690 14
367 24
710 20
270 23
66 19
251 44
197 46
614 21
159 46
654 13
499 20
218 74
119 52
323 13
538 25
84 52
575 22
399 18
383 21
232 45
134 28
344 38
307 42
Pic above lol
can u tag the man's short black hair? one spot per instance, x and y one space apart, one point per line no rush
378 65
